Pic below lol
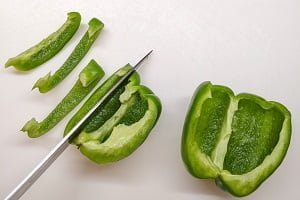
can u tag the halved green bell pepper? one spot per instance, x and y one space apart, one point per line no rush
121 124
238 140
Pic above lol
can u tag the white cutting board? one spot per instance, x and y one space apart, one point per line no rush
250 46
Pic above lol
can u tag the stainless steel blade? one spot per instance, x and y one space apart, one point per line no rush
63 144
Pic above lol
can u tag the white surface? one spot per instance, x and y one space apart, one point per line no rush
250 46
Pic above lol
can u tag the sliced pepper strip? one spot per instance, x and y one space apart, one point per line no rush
237 140
49 81
48 47
96 96
88 79
111 136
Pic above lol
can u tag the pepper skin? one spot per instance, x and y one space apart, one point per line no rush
48 47
88 79
121 123
49 81
237 140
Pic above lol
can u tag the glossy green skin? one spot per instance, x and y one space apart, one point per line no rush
237 140
49 81
89 77
48 47
121 124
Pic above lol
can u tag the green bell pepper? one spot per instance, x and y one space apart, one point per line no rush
237 140
121 124
48 47
48 82
88 79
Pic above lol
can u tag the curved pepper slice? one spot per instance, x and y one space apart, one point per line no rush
88 79
48 47
96 96
49 81
237 140
121 124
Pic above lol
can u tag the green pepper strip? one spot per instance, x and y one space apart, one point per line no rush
49 81
121 124
96 96
237 140
48 47
88 79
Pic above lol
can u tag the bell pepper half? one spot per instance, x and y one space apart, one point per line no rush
238 140
121 123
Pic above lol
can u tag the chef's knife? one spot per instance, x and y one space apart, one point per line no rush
64 143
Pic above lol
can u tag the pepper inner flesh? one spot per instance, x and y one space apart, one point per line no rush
135 112
254 131
112 113
211 120
105 110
